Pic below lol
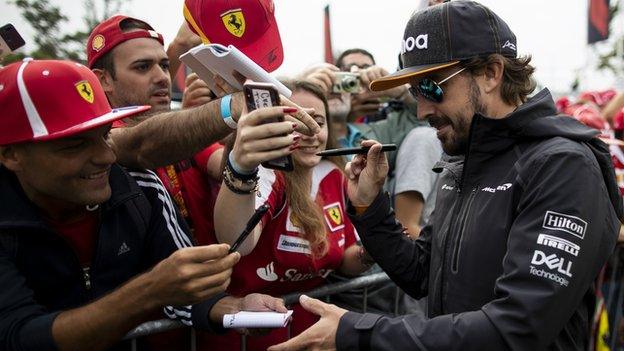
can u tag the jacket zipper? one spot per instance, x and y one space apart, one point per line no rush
86 277
463 221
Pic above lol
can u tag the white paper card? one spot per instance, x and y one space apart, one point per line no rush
224 61
246 319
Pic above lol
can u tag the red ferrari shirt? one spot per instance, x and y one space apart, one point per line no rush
281 262
194 191
80 235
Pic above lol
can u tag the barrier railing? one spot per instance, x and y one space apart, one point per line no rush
162 325
613 291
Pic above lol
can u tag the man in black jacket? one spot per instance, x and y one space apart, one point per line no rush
520 229
88 250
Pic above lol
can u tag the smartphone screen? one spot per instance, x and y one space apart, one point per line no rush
10 40
260 95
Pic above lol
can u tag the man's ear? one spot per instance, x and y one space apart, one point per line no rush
105 78
9 157
493 75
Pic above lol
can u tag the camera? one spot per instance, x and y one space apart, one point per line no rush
346 82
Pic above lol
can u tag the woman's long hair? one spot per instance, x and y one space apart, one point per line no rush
306 212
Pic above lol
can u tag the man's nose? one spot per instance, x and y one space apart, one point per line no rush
425 108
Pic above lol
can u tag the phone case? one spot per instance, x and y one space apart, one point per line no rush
260 95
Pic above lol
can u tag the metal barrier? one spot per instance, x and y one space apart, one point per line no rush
162 325
613 289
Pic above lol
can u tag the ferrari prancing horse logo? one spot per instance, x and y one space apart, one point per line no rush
234 22
86 92
333 216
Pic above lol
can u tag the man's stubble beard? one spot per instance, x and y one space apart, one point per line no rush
459 146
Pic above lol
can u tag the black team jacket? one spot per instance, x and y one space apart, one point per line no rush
516 240
40 275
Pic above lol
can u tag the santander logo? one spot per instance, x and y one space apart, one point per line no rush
267 273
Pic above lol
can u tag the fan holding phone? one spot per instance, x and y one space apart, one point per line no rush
306 233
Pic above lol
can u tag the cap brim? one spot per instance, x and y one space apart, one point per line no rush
267 50
403 76
114 115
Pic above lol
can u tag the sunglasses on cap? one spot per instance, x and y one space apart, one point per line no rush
430 89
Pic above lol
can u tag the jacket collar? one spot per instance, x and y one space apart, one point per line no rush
16 210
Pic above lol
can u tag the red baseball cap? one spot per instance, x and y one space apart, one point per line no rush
108 34
249 25
51 99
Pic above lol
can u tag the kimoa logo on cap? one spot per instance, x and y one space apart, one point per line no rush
234 22
98 42
410 43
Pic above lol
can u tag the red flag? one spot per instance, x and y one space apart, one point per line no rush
598 21
329 54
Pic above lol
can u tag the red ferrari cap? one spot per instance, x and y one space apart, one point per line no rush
50 99
249 25
109 33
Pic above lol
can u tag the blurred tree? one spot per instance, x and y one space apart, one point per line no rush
51 42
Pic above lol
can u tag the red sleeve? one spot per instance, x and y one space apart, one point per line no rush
202 157
271 187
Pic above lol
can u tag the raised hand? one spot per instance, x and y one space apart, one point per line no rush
366 174
191 275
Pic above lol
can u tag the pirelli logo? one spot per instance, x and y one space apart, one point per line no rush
565 223
559 244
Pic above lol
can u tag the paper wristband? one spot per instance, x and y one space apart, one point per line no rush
226 112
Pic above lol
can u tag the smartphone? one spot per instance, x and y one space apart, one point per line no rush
10 40
259 95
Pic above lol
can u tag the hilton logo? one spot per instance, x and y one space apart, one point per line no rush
565 223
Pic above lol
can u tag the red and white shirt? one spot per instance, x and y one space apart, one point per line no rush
281 262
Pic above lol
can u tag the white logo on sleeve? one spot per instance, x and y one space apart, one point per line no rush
267 273
559 244
123 249
503 187
552 262
565 223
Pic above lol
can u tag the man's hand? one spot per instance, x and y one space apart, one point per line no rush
369 74
322 76
191 275
367 174
196 93
320 336
252 302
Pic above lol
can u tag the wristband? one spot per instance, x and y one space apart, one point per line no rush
226 112
238 172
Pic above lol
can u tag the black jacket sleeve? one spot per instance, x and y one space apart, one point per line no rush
24 324
168 232
406 261
531 306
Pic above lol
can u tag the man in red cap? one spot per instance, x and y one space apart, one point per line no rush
128 57
88 250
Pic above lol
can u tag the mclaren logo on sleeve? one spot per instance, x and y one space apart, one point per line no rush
565 223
